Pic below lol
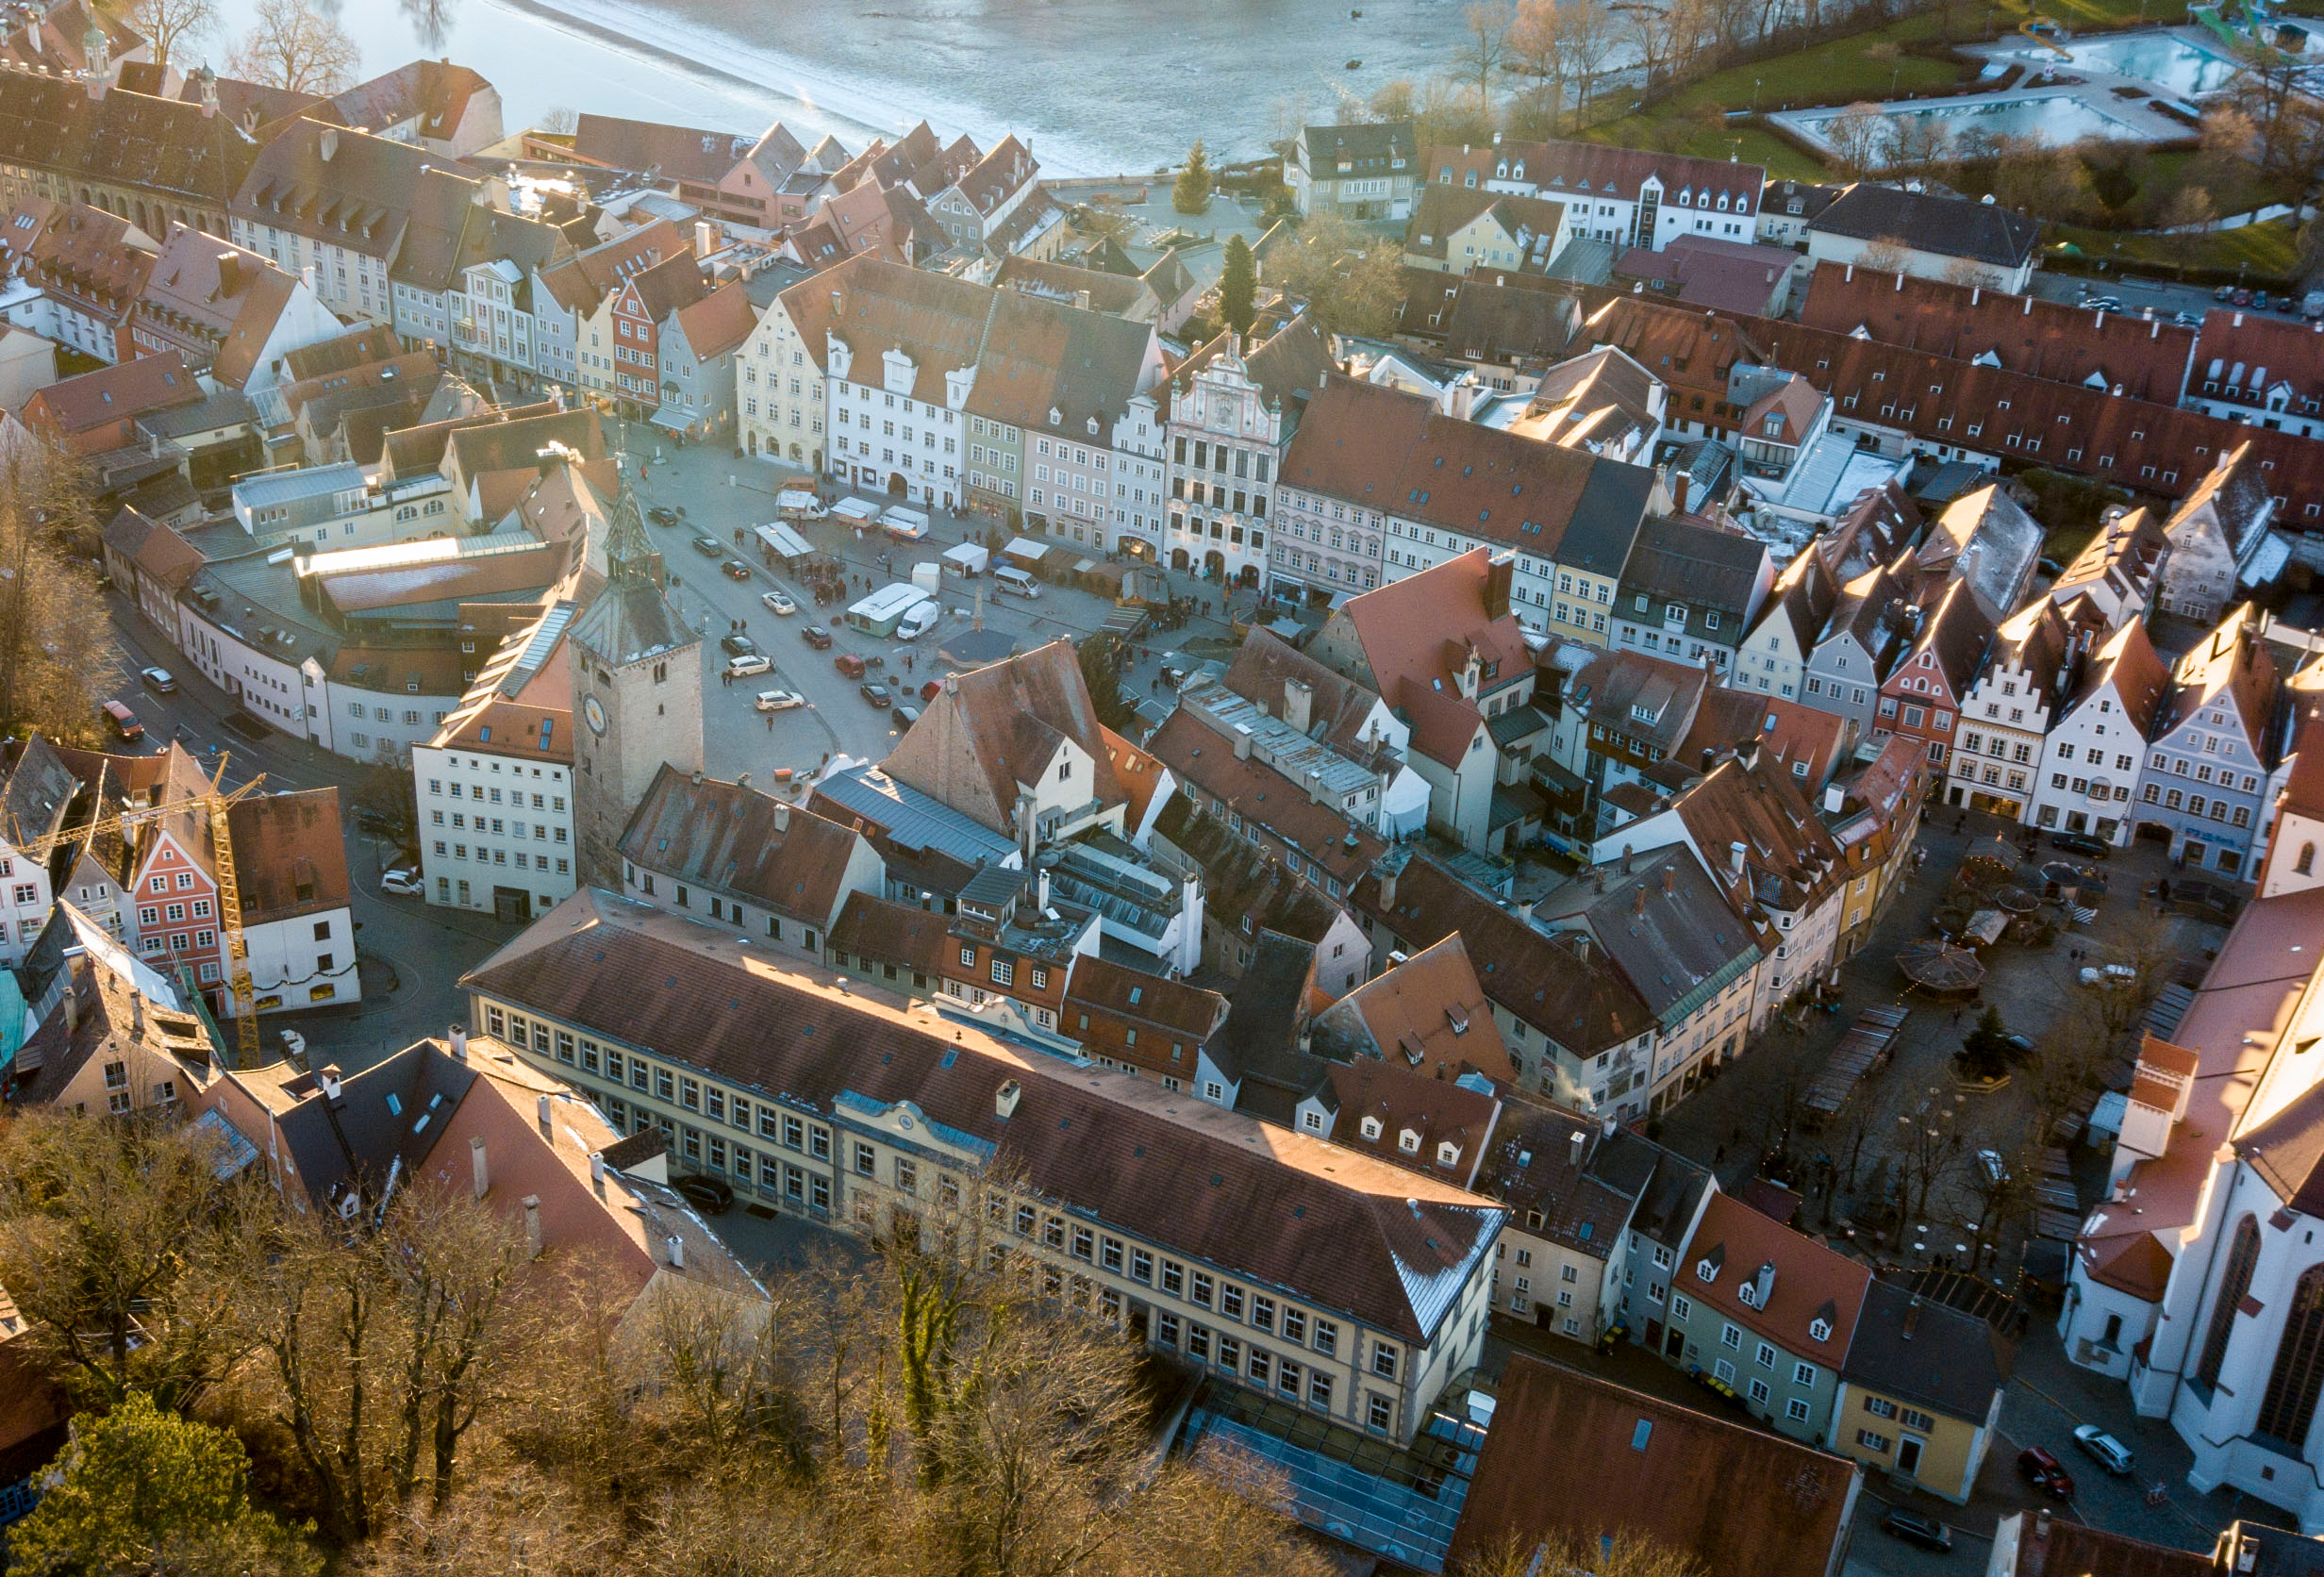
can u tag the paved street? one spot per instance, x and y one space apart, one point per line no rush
411 957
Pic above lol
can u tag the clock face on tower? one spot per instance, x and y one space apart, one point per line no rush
595 713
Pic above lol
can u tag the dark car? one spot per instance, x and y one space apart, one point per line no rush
709 1195
1913 1528
661 516
737 645
709 547
2045 1474
734 569
2018 1046
817 637
2080 843
378 822
876 695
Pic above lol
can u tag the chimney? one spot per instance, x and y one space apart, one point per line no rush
1573 1157
546 1131
1005 1099
532 1226
2041 1525
782 817
1834 797
479 1166
1041 889
676 1245
306 276
458 1034
1242 744
1315 786
1387 889
327 146
328 1078
597 1173
1298 698
704 238
1735 852
1911 1319
1637 906
1498 574
1608 1126
229 274
1679 487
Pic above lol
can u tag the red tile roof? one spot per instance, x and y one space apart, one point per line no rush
1572 1454
1813 1287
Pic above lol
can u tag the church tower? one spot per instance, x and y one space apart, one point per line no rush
636 692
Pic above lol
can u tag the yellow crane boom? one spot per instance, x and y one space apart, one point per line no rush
229 886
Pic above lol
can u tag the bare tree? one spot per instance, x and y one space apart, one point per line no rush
560 121
170 24
1858 135
1622 1554
50 672
1888 253
1485 47
293 45
124 1247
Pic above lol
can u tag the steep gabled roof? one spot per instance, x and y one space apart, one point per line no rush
1427 1014
734 839
997 727
1928 222
1373 1241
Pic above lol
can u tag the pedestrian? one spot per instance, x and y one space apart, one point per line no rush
770 722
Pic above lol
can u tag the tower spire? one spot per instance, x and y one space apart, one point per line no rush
629 556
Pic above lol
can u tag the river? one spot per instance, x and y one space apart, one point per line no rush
1096 87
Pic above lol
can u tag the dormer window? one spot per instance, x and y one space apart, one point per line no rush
1747 1295
1706 1269
1448 1155
1819 1329
1371 1127
1409 1141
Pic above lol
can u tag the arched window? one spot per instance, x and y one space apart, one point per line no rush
2303 865
2289 1406
2241 1256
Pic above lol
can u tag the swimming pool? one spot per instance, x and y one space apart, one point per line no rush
2172 62
2053 118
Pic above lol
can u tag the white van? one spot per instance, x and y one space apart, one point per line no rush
918 620
1015 581
799 504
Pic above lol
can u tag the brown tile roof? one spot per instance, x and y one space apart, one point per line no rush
1354 441
89 401
1956 635
289 857
998 726
373 196
719 321
1584 1181
76 251
211 293
1137 998
1418 1115
1569 993
1650 699
1374 1243
682 153
666 287
491 575
2061 1547
1572 1454
1942 223
2233 664
874 929
1265 664
154 548
1417 629
1263 797
1428 1014
166 148
434 92
2253 351
1802 742
1789 860
1811 1282
581 283
2042 339
739 839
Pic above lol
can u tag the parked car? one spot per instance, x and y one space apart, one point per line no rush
378 822
905 717
2045 1474
2080 843
817 637
734 569
1913 1528
661 515
779 700
2112 1454
2225 292
1989 1163
2259 301
158 680
2241 298
2113 976
876 695
2186 320
709 547
777 603
124 720
403 882
742 668
2020 1046
849 664
709 1195
737 645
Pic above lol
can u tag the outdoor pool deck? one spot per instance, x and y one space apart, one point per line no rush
2175 64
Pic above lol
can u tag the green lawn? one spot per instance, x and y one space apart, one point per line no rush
2267 250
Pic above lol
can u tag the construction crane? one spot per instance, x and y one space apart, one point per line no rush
230 889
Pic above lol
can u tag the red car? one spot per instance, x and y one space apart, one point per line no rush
2045 1474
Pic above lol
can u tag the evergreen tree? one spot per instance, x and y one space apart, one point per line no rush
1239 285
1191 195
